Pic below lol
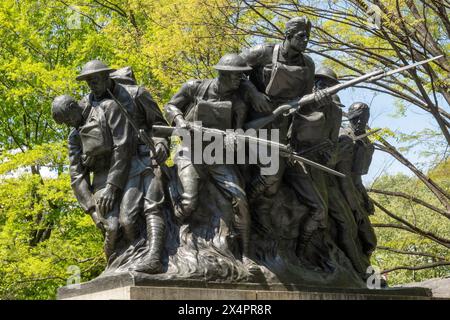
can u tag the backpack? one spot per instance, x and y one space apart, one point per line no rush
96 139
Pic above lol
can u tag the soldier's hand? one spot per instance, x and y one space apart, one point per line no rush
106 200
322 98
161 153
261 103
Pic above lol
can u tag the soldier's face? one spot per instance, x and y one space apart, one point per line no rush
98 83
230 81
359 123
299 41
72 117
322 83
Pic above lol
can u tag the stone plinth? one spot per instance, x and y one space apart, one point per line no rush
135 286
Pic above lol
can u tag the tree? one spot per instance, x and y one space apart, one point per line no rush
412 228
44 236
44 44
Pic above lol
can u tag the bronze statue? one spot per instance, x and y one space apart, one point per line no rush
354 160
282 72
95 131
225 221
196 101
141 192
322 127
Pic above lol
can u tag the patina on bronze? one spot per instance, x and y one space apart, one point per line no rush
308 224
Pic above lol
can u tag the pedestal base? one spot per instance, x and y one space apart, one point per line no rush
136 286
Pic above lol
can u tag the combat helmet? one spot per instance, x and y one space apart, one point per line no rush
327 73
232 62
357 109
93 67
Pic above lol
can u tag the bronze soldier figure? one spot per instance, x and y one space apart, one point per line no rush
354 160
312 126
317 128
143 192
283 72
197 100
99 143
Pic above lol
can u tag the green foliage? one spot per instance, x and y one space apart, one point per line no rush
42 233
420 217
48 154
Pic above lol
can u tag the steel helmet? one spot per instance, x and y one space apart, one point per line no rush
357 109
326 73
232 62
93 67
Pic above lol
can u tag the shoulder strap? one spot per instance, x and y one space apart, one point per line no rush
276 51
203 88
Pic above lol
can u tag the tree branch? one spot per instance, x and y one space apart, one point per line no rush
422 267
427 234
411 198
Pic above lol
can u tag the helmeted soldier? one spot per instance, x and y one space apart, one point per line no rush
322 126
354 160
312 126
217 103
142 194
98 143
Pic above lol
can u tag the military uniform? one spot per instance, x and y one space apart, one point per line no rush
141 183
110 166
349 161
282 79
226 177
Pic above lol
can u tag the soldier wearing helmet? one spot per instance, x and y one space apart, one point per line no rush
217 103
142 194
354 160
313 127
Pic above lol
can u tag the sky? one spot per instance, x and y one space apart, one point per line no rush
383 116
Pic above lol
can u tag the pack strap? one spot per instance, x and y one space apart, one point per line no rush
276 52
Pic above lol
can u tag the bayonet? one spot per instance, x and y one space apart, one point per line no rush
285 150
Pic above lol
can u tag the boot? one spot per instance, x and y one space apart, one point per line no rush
305 237
155 236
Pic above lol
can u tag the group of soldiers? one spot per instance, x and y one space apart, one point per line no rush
119 178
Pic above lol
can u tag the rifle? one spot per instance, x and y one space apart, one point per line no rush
362 136
145 138
285 150
296 104
323 146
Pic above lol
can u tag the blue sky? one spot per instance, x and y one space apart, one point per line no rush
382 115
